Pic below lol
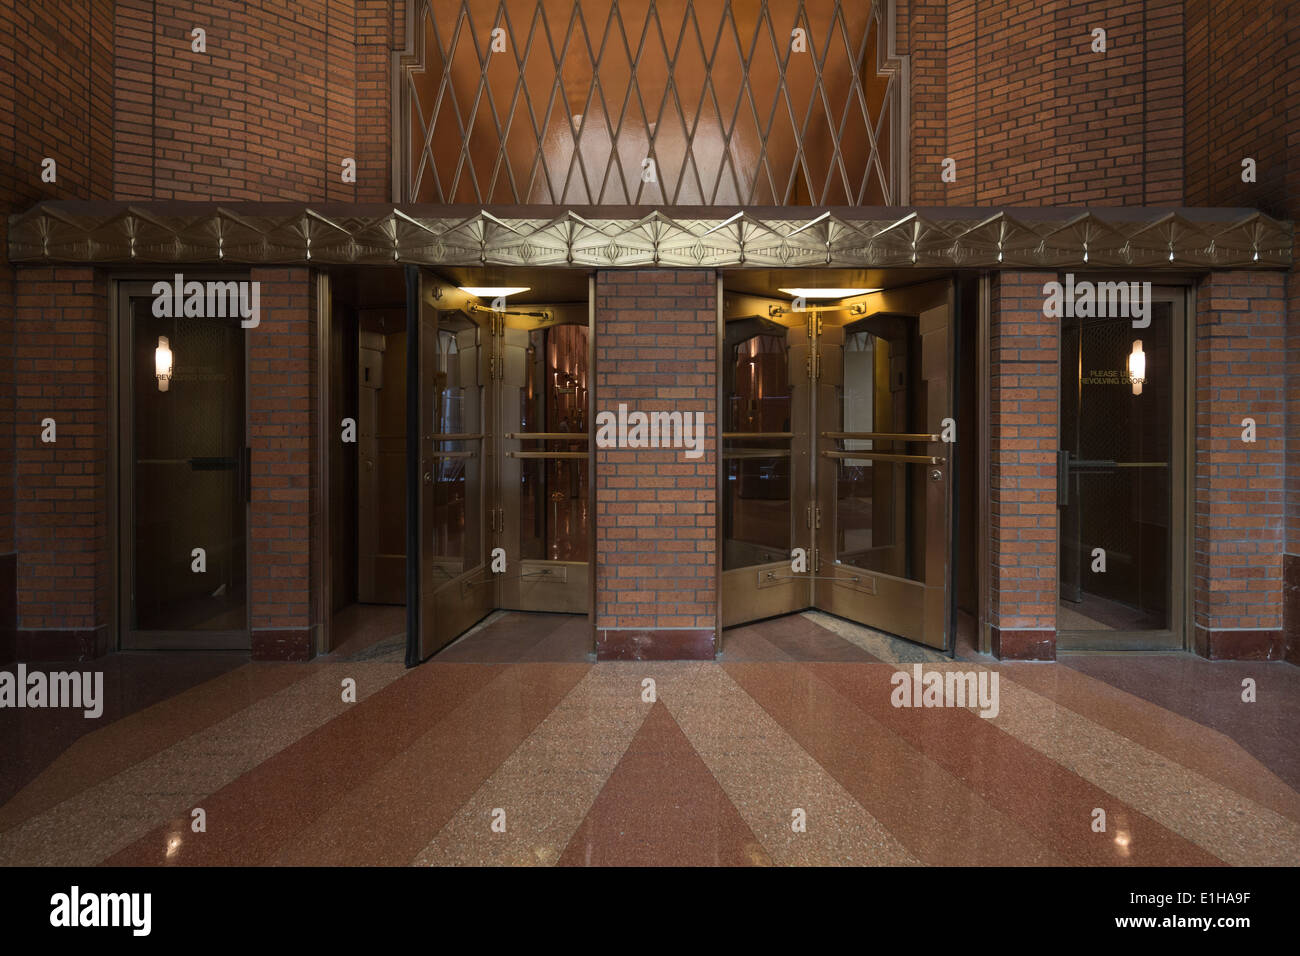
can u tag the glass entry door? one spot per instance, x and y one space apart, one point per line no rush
183 478
544 481
503 495
766 506
835 485
1120 480
452 352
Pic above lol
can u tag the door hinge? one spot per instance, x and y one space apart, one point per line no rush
813 366
817 560
814 514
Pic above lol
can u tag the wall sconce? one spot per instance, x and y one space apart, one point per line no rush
162 363
1137 367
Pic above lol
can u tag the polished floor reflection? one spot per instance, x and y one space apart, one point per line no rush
795 717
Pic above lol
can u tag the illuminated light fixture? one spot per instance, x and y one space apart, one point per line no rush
826 293
162 363
493 291
1137 367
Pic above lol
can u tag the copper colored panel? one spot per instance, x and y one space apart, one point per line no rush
572 101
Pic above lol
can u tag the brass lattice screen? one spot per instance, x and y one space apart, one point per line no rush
571 102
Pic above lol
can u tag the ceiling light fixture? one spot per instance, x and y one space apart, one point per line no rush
826 293
493 291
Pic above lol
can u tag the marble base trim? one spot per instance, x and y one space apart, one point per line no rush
1245 645
61 645
1023 645
283 643
656 644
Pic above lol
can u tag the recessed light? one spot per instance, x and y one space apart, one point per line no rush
493 291
826 293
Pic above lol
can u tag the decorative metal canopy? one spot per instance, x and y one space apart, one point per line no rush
605 238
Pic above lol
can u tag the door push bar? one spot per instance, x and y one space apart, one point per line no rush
883 456
547 436
908 438
1067 466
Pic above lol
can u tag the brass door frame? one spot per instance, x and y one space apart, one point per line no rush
525 585
321 569
769 589
915 605
1182 425
896 609
121 484
440 612
457 604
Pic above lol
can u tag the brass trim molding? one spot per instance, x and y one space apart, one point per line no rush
609 238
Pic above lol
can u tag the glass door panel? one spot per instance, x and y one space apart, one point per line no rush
456 587
1119 473
765 468
184 479
882 471
544 469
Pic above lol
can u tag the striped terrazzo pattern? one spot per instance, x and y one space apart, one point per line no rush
512 748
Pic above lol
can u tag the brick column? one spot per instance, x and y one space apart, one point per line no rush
1291 559
64 567
8 557
1024 433
281 434
656 547
1239 487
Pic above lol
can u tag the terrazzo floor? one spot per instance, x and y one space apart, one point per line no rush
512 747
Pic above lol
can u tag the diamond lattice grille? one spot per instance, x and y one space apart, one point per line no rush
571 103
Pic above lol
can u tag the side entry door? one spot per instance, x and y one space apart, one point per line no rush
452 466
882 468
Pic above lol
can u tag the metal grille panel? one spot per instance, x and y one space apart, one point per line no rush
570 102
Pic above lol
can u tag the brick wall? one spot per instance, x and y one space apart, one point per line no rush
1238 492
1024 428
1243 100
54 83
61 516
1013 92
284 92
656 547
282 436
1291 557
